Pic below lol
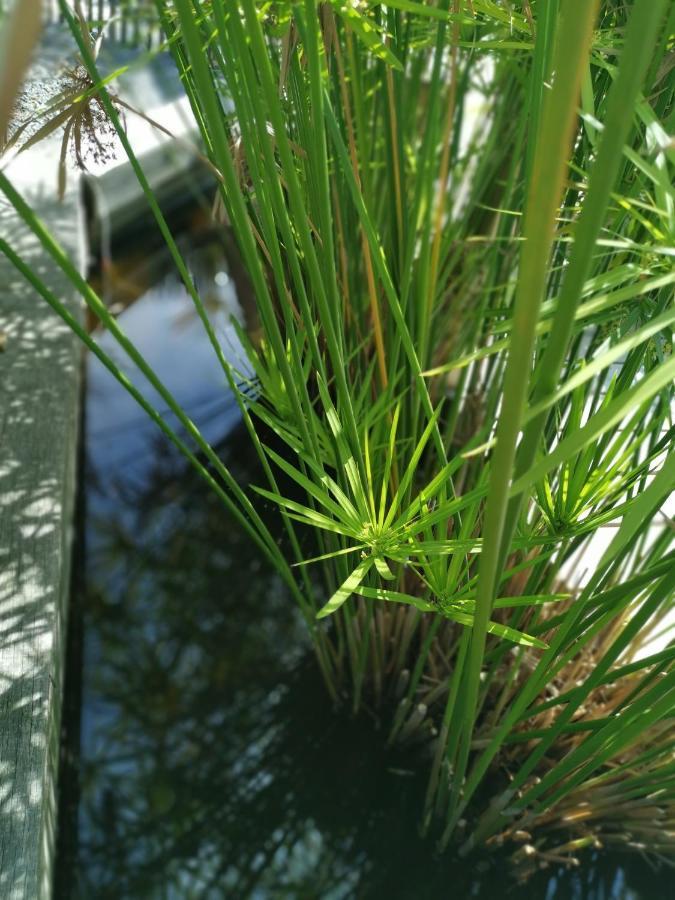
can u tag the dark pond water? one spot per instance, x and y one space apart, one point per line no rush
202 757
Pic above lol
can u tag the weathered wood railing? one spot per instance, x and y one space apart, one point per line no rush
39 401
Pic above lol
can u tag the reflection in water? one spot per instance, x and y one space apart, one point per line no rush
211 764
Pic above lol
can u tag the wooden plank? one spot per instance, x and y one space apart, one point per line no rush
39 397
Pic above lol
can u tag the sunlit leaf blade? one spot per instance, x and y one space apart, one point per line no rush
347 588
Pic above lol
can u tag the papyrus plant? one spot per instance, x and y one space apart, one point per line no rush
466 353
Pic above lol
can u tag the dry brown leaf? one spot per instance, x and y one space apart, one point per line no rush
18 38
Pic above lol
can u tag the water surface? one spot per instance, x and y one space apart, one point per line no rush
206 760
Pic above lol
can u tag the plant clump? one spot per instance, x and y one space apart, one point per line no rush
458 220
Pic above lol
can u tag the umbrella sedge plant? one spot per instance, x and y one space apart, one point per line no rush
458 223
